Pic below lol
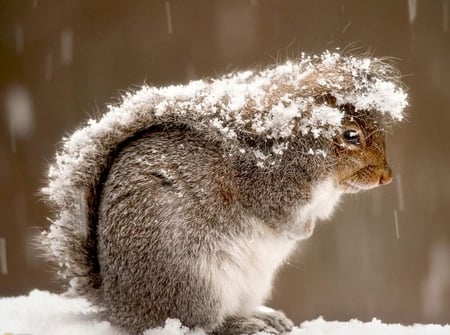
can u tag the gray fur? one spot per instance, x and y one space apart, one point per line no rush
175 219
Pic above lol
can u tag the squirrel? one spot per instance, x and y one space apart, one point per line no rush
184 201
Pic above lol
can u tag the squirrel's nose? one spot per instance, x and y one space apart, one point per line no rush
385 175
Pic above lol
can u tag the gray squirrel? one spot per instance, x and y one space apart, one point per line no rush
183 201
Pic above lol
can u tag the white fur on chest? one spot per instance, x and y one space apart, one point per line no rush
324 198
242 276
242 272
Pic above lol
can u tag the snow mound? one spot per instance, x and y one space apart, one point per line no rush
44 313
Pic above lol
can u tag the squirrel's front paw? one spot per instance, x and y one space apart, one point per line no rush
263 320
244 325
275 319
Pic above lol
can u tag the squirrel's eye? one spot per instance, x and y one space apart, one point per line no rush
351 136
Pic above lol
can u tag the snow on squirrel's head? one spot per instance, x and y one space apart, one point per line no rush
302 97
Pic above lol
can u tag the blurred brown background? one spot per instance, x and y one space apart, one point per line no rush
385 254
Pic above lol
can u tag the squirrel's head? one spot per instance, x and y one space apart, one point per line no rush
360 151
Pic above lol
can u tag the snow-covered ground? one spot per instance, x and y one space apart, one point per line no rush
44 313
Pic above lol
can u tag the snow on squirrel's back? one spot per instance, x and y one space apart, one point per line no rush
44 313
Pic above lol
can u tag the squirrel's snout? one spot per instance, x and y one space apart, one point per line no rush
385 175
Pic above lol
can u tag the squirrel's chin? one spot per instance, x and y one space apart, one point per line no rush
348 186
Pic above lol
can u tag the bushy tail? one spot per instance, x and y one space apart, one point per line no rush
74 181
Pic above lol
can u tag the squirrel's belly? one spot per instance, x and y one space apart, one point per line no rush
243 271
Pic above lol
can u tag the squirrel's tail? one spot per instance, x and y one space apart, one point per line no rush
73 188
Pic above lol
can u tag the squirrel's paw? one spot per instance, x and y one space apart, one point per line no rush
249 325
276 319
263 320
